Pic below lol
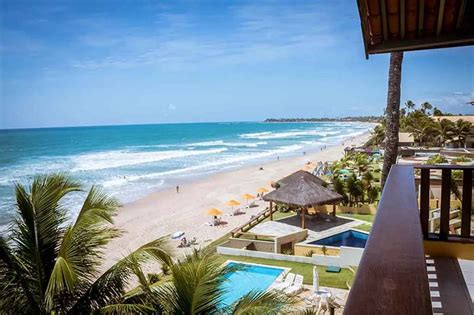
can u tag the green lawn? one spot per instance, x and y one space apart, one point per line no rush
364 217
334 280
364 227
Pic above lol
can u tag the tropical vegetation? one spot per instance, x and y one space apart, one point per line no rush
50 264
426 130
353 178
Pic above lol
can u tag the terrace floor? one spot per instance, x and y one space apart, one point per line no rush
318 226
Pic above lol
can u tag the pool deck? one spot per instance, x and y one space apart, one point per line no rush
279 228
304 297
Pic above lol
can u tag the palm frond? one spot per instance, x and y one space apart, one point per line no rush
14 284
126 309
263 302
110 285
37 228
81 250
196 286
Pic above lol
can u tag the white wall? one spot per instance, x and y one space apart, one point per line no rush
349 256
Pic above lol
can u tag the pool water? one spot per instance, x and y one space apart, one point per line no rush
347 238
249 278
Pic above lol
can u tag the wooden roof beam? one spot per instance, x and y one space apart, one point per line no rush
402 19
383 12
440 16
421 14
462 10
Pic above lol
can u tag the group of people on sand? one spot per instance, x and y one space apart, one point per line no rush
185 243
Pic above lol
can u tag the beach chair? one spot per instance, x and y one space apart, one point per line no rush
290 277
296 287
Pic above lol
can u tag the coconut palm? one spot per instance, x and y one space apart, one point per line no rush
51 265
392 113
354 189
461 130
377 135
443 131
409 106
425 107
421 127
361 162
196 286
372 194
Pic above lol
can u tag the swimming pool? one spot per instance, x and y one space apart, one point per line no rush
348 238
249 278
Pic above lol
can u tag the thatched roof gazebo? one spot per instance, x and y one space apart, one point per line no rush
303 190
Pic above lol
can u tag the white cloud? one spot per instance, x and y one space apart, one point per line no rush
172 107
254 34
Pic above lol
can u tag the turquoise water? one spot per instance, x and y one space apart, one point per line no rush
249 278
347 238
131 161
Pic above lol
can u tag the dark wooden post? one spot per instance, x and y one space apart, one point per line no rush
334 209
445 203
271 210
425 200
466 203
303 210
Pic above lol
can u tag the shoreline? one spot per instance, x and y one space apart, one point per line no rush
164 212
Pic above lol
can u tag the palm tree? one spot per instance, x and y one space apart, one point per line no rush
443 131
461 130
372 194
377 135
409 106
421 126
425 107
361 162
354 189
197 287
50 265
392 113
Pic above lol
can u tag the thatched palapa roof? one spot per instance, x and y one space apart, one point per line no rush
302 189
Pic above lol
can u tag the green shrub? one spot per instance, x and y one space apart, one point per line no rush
461 159
436 159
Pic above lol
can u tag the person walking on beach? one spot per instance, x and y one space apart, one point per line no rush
177 189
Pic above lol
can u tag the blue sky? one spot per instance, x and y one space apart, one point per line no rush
68 63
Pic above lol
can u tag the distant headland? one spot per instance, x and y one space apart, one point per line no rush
371 119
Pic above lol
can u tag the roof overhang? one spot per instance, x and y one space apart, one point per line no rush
405 25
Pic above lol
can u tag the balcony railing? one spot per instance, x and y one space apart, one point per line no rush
392 275
447 230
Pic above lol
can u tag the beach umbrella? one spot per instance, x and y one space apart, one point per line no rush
214 212
262 190
248 197
177 235
232 203
315 279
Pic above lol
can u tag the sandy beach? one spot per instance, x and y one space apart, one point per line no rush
165 212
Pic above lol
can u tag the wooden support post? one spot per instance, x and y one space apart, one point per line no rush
425 200
334 209
303 210
466 203
445 203
271 210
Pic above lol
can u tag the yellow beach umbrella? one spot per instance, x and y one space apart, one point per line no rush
232 203
214 212
262 190
248 197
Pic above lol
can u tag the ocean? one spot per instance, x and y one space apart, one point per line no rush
134 160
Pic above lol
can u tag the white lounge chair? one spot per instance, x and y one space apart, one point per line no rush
290 277
296 287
